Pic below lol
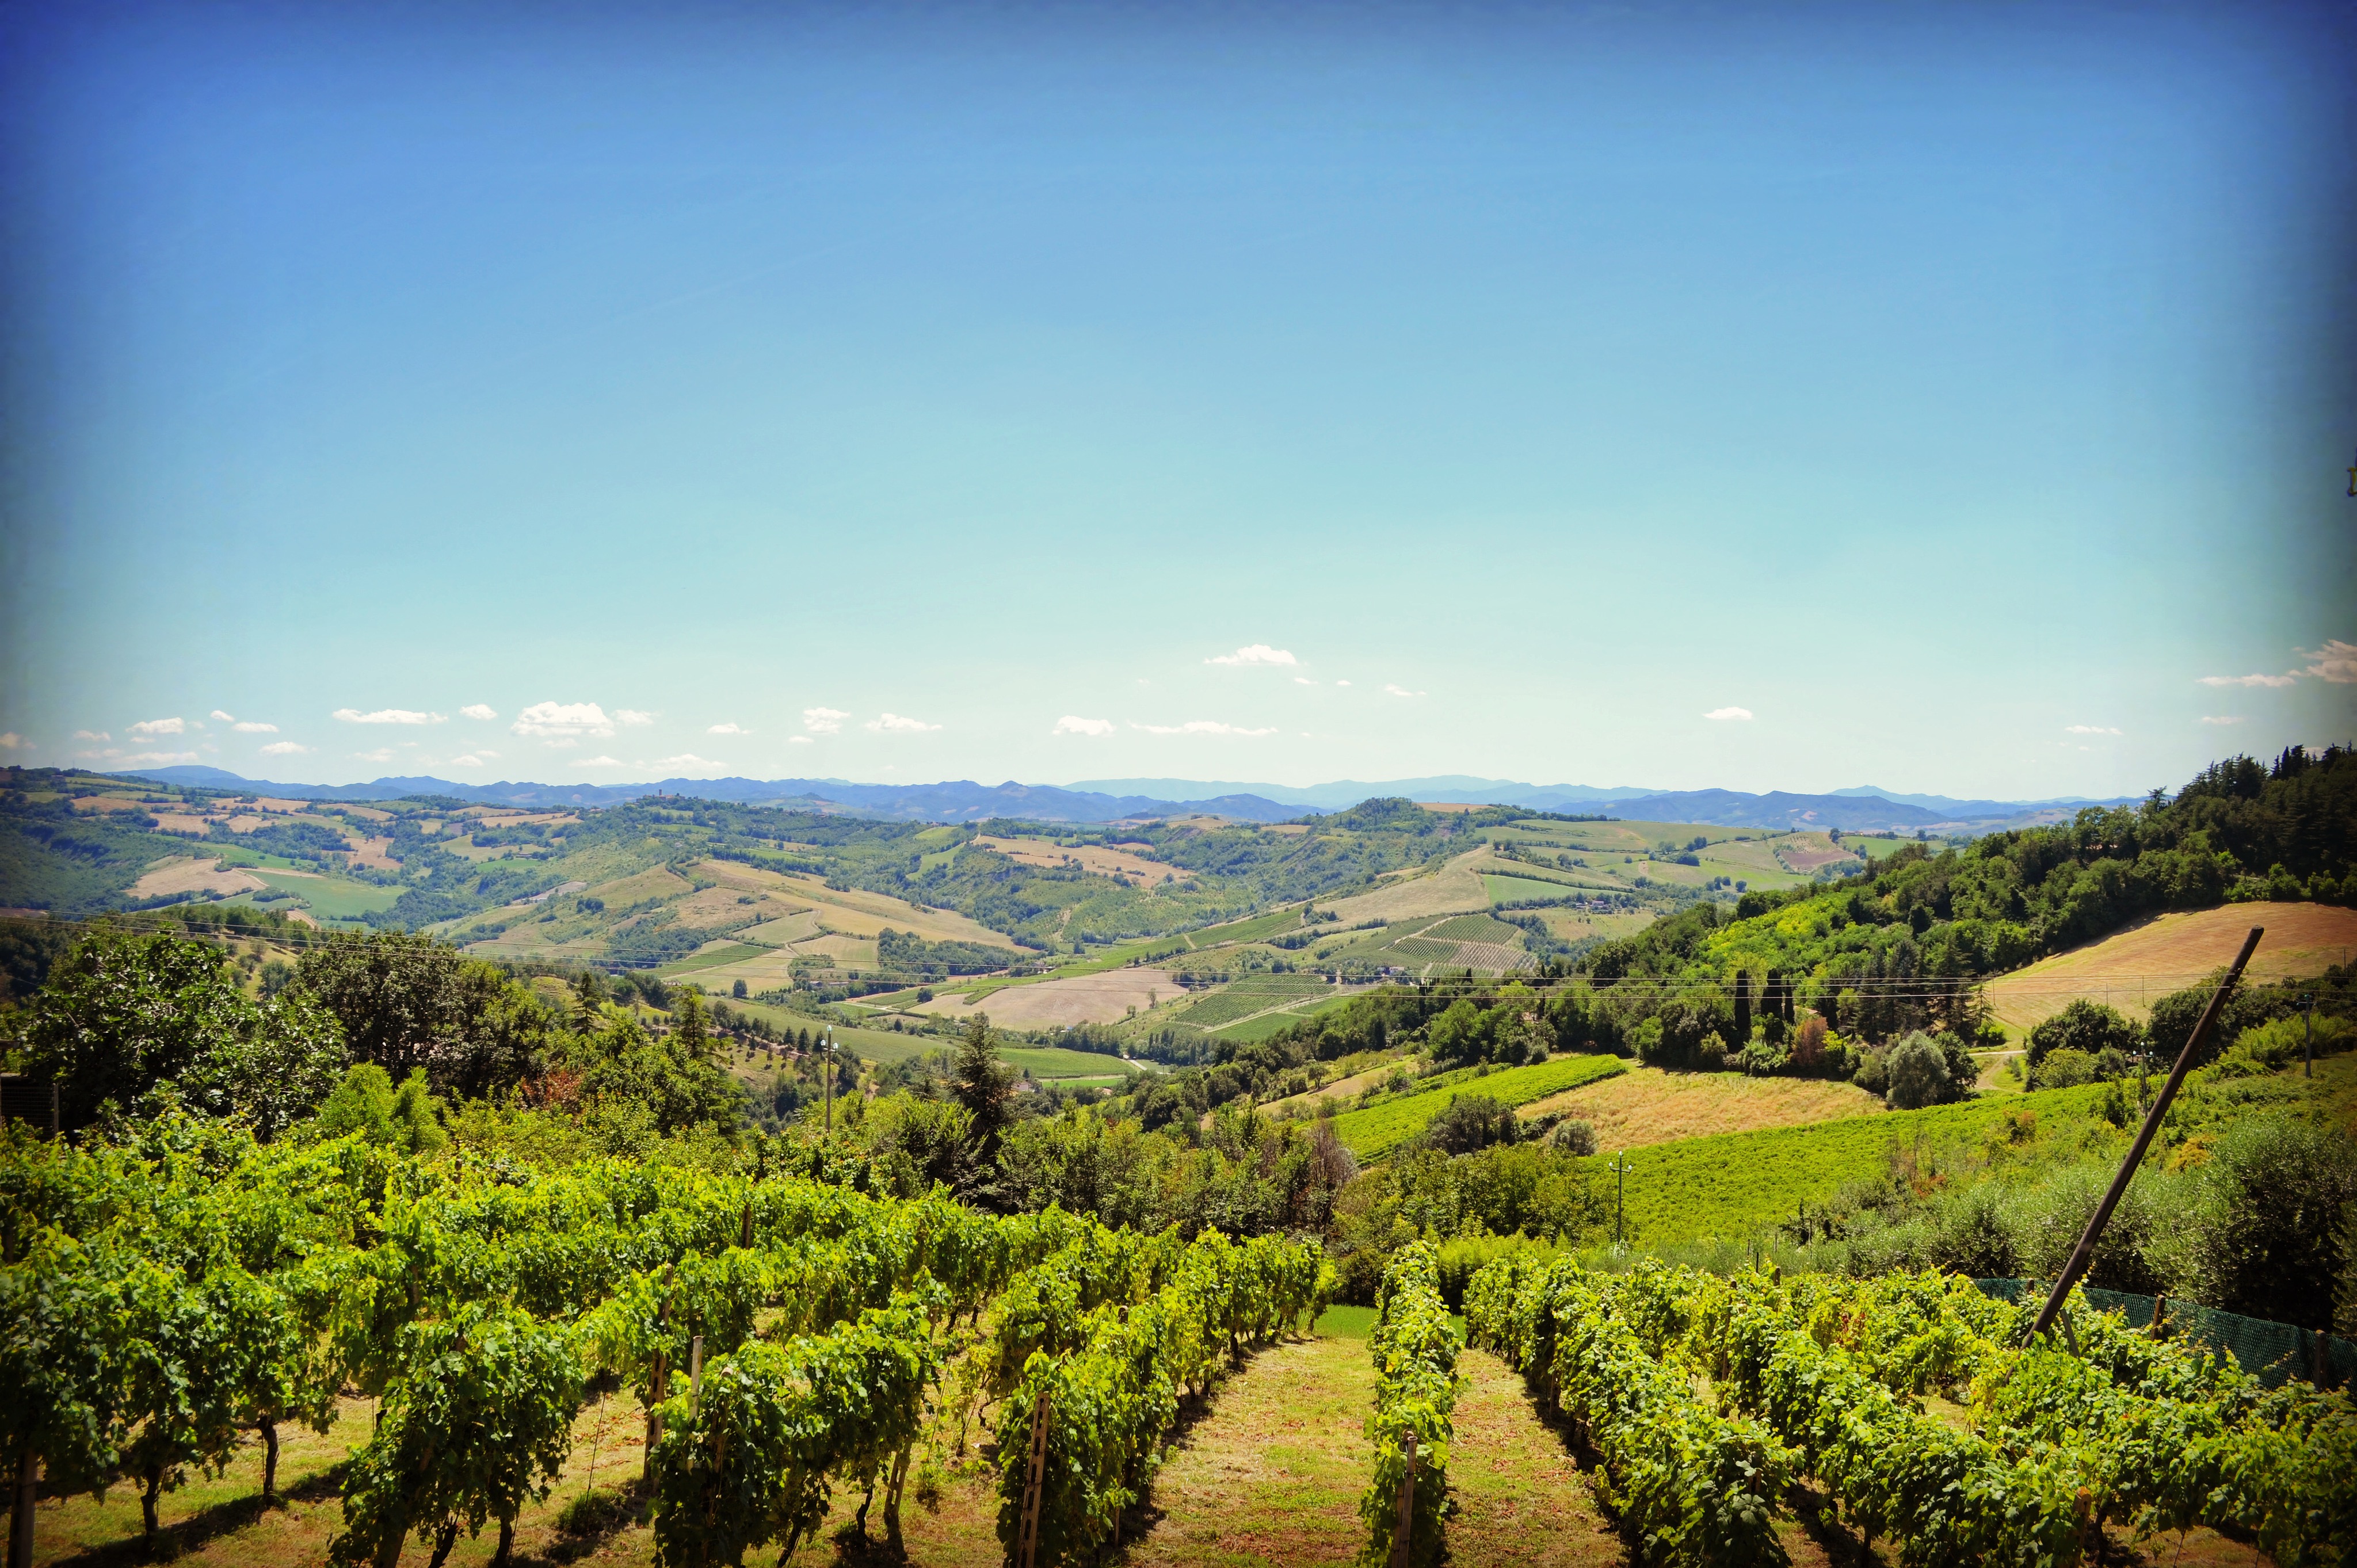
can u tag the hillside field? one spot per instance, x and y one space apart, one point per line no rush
2163 953
1647 1105
1376 1130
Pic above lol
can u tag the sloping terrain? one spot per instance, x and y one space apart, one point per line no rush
2130 969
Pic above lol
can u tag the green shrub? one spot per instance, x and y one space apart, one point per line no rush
2265 1232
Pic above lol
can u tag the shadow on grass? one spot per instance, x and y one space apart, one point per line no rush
587 1525
1139 1519
207 1524
1815 1511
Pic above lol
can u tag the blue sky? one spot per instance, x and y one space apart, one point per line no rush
1763 397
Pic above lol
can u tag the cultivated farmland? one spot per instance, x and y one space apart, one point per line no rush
2130 969
1376 1130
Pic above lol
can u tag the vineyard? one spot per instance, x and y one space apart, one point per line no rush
1828 1379
783 1338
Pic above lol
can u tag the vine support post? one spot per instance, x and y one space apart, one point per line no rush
2085 1252
1403 1534
20 1527
1027 1540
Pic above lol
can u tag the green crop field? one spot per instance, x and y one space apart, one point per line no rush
1378 1130
1053 1062
1259 927
1474 928
735 953
1251 994
1735 1185
327 897
1514 889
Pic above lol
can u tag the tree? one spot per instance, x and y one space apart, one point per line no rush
123 1014
980 1082
1573 1137
674 1076
1917 1071
1471 1122
2083 1025
408 1002
395 993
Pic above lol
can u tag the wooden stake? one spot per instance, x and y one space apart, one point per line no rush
1027 1542
1406 1529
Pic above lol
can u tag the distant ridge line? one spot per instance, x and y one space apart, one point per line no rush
1858 809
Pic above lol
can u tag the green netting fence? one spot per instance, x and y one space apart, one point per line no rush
2272 1352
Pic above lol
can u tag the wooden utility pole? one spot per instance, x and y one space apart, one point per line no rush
2085 1252
1619 1168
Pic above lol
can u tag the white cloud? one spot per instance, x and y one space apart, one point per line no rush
479 711
284 748
469 760
1403 691
686 762
1072 723
1200 726
11 741
160 726
156 758
799 740
1303 681
2221 718
255 726
824 721
2335 661
600 761
2248 680
91 735
731 727
898 723
1728 712
381 754
386 717
1258 653
2089 729
225 718
563 719
632 716
1341 682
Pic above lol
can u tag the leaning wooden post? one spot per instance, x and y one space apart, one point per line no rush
2085 1252
1027 1540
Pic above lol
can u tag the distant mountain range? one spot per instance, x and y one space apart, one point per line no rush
1859 809
959 800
